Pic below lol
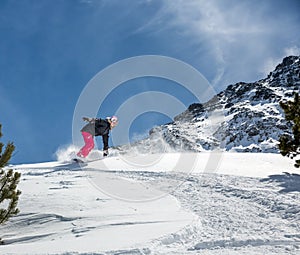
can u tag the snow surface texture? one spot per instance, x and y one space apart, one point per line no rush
245 117
157 208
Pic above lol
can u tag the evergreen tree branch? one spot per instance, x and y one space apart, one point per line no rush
5 157
8 184
289 145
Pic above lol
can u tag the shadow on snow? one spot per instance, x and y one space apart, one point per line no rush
289 182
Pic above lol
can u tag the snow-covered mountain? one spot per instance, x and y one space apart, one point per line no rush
245 117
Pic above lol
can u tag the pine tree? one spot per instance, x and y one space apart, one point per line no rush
289 145
9 195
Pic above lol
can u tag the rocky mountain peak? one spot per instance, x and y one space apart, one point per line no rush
244 117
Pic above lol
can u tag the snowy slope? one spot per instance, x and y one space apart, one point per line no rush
245 117
62 211
129 205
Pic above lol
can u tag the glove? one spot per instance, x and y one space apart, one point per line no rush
105 153
88 119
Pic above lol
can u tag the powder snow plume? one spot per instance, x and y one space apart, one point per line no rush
66 152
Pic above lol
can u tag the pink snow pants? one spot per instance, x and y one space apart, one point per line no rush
88 146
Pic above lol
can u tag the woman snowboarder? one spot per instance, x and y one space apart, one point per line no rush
96 127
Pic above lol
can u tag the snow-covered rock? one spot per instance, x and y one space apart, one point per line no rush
245 117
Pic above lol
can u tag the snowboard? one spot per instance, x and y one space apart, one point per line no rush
79 161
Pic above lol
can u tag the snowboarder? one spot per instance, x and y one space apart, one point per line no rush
96 127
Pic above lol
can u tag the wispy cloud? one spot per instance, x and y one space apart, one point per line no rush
292 51
239 37
271 63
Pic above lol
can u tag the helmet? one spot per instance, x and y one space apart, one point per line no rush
114 120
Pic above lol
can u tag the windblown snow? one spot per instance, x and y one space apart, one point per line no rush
248 205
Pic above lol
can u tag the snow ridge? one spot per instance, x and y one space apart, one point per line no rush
66 211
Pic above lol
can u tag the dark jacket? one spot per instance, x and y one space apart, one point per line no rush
98 127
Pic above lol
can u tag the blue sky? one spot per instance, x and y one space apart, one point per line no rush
50 49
